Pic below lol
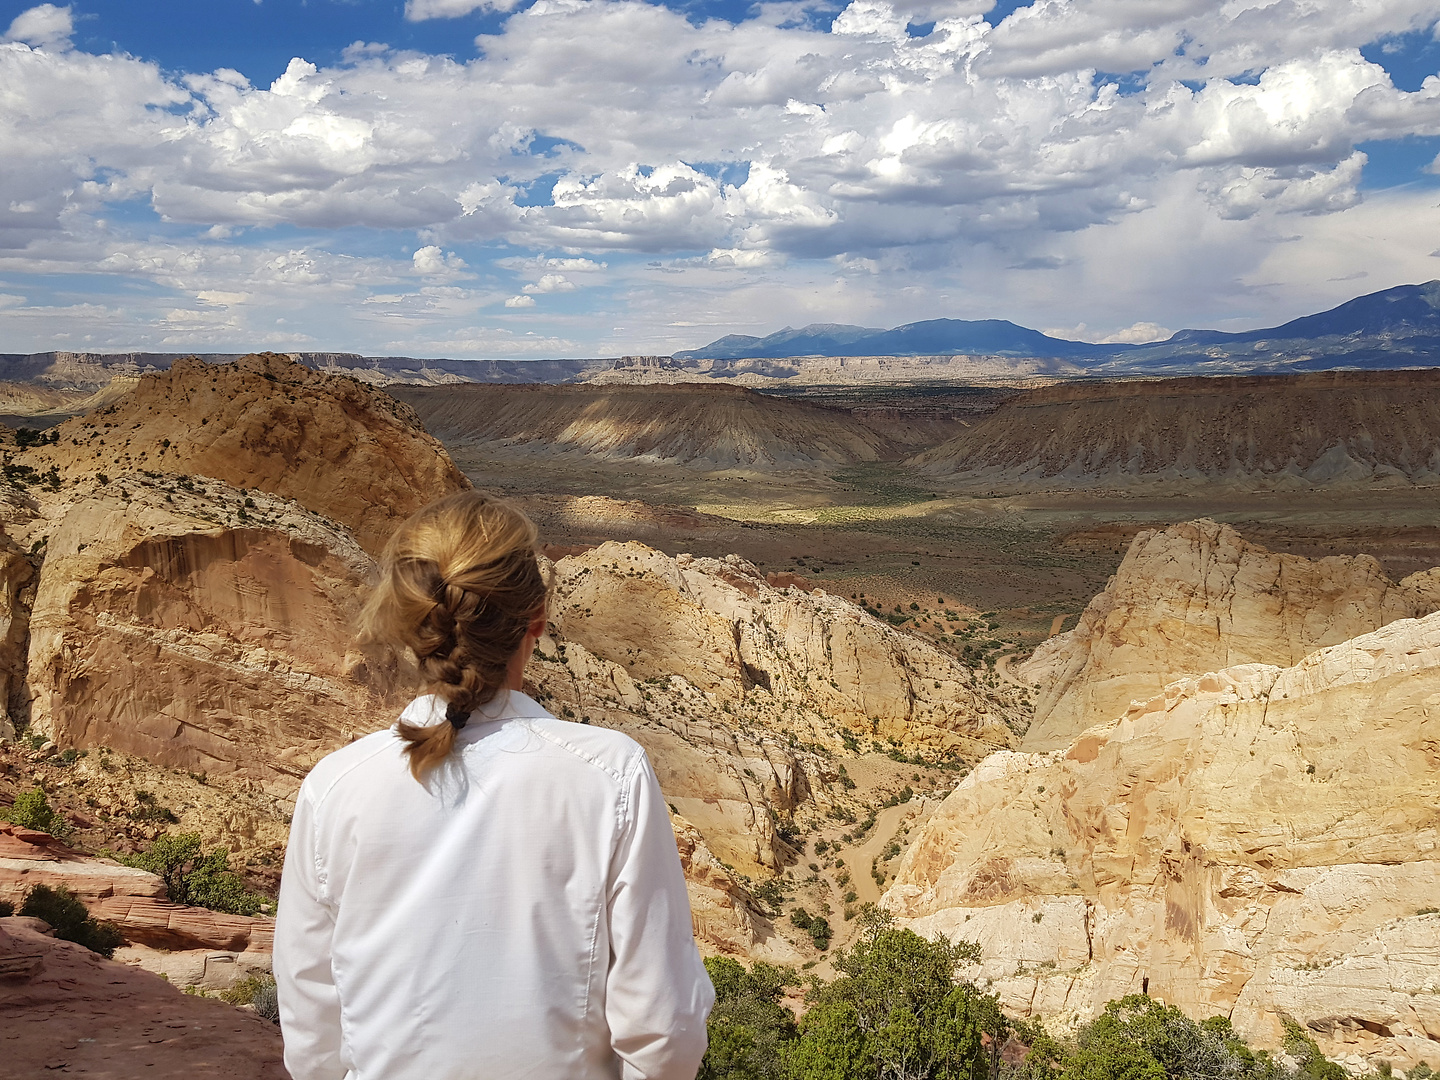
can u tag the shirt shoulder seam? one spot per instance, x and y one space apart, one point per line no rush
317 797
618 775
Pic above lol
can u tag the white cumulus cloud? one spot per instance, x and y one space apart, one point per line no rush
45 27
726 174
551 283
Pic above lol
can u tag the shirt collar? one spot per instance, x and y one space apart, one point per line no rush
428 709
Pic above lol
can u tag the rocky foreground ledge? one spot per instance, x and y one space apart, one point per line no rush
80 1015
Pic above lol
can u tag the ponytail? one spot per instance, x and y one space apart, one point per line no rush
459 586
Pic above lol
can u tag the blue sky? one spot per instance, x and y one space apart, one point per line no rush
597 177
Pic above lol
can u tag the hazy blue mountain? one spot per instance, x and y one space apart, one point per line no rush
933 337
1397 327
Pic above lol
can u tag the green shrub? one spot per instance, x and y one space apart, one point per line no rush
1310 1063
32 810
897 1010
257 991
69 918
193 876
1138 1038
820 933
748 1028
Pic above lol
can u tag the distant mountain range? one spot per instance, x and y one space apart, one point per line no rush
1397 327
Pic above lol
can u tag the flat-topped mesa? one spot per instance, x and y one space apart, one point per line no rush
1285 431
204 629
339 447
698 426
1260 843
1198 597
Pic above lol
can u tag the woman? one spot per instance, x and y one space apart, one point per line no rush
482 891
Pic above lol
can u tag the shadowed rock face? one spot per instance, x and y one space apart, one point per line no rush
1254 842
1300 430
1198 597
168 627
341 448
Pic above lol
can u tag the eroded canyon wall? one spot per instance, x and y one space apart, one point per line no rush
202 629
1257 842
1199 597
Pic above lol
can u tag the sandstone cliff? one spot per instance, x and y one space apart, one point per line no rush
1198 597
203 629
1257 842
341 448
745 696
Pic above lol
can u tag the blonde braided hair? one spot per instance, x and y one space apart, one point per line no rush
459 586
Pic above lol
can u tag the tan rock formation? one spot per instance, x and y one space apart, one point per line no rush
342 449
1198 597
202 629
700 426
723 628
1256 842
16 593
743 695
720 910
160 924
208 969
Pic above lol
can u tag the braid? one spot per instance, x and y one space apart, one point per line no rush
460 585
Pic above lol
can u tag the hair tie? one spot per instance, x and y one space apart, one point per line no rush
457 715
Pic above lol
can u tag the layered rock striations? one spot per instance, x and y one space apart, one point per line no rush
1295 431
745 696
1198 597
721 626
339 447
704 427
202 629
1259 842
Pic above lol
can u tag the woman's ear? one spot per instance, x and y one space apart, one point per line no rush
536 629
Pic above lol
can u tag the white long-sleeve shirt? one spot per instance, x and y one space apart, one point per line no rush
523 914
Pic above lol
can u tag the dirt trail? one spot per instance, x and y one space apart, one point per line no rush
1002 668
857 859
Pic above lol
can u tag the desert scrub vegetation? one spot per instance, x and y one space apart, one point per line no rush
257 991
32 810
67 915
898 1011
195 876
